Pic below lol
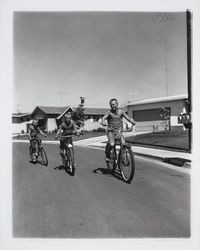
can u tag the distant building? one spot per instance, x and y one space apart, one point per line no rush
51 117
93 118
148 114
19 122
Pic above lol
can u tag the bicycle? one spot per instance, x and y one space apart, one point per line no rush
68 155
38 152
122 160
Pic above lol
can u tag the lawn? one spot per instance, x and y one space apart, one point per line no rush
168 139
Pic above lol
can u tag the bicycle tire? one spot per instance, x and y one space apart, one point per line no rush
127 164
44 156
111 165
63 157
30 153
70 160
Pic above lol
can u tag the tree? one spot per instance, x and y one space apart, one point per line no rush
79 113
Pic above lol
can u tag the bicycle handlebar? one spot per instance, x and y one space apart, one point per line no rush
65 136
127 130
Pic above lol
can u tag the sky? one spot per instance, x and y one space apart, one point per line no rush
60 56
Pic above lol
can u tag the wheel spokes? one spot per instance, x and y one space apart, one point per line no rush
126 167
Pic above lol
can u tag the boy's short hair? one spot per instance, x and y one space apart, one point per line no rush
113 99
68 115
35 122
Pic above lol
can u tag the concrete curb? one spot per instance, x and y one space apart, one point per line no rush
179 162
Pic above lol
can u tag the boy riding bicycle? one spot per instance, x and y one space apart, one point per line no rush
115 125
33 136
67 128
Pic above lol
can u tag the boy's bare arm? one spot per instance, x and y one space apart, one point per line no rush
58 133
131 120
41 132
75 128
29 134
104 118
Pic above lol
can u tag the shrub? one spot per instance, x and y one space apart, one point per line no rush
99 130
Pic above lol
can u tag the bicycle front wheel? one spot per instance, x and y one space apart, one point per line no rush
44 156
70 161
31 153
127 164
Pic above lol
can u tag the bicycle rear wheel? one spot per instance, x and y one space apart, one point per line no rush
127 164
44 156
64 159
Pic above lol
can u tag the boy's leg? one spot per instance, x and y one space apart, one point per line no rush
33 149
61 147
109 145
32 145
123 140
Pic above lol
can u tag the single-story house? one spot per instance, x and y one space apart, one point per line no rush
50 117
148 113
19 122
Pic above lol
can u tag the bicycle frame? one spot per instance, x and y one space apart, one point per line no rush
68 156
37 144
122 159
39 150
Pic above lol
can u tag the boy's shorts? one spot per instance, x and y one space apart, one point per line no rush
113 135
64 140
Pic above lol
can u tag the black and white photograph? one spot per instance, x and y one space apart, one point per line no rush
101 111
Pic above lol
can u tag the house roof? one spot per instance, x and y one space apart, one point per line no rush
161 99
61 110
20 114
52 110
64 111
95 111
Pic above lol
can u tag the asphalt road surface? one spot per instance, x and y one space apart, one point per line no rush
49 203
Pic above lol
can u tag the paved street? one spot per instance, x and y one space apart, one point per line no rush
47 202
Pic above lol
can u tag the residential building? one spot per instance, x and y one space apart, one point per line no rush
148 113
19 122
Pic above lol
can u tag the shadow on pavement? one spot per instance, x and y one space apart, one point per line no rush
61 167
37 162
102 171
106 171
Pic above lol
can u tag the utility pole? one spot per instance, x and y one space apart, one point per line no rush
163 21
61 93
189 76
132 99
18 105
